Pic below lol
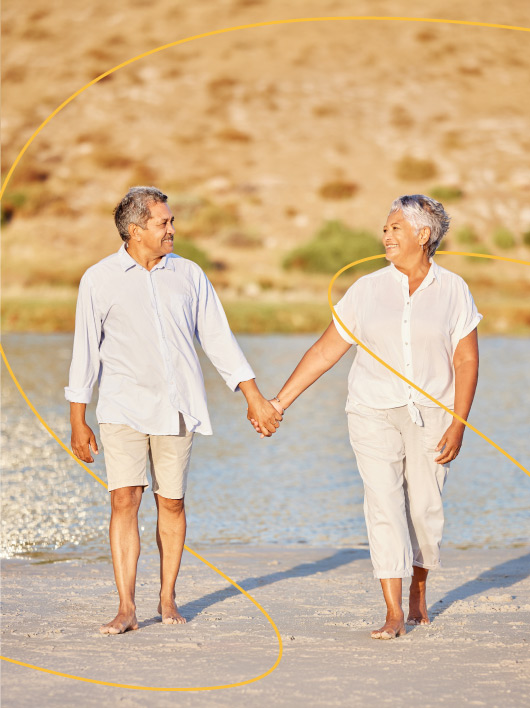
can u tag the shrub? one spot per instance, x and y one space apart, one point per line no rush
188 250
412 168
334 246
11 204
338 189
466 235
446 194
479 248
526 238
503 238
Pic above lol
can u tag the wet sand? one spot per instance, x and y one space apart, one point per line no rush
324 602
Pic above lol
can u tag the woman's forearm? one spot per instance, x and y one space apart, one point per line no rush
318 359
466 376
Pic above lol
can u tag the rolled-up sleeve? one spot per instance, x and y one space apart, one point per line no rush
84 369
345 311
216 338
468 317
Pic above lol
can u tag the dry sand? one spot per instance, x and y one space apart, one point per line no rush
324 602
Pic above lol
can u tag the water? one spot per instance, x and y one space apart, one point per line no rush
301 486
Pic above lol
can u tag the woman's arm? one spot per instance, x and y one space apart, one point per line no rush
465 362
324 354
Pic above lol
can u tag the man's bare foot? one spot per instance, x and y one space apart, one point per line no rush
391 629
170 613
123 622
418 605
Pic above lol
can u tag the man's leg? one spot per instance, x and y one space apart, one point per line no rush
125 548
170 536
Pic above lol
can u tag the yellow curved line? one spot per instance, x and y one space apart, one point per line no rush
173 689
234 29
193 553
2 191
403 378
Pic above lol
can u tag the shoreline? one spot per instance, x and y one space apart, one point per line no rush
324 602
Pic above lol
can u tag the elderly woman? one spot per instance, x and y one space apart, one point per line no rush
421 319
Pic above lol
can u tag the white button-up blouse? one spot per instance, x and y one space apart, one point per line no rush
134 332
415 334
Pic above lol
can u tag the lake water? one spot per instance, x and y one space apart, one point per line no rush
300 486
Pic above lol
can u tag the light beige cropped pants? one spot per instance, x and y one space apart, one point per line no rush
402 485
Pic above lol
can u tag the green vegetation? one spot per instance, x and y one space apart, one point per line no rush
526 238
334 246
412 168
479 248
466 235
503 238
446 194
10 204
188 250
262 318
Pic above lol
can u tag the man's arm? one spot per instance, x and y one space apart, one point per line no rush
220 346
84 371
82 436
465 361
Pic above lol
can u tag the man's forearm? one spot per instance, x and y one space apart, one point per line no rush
77 413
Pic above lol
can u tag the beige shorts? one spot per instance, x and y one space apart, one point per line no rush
126 451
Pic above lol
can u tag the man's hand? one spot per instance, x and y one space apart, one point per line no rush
82 440
451 442
263 416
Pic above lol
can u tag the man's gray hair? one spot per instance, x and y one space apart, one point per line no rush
421 211
134 208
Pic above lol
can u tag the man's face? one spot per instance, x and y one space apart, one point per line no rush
157 237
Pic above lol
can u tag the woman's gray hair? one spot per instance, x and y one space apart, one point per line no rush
421 211
134 208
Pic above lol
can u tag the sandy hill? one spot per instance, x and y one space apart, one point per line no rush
259 136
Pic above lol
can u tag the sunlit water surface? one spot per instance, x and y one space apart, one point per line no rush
301 486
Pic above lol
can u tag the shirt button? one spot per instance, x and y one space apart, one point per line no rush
406 343
405 321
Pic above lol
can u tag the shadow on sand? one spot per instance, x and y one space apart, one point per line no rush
339 558
500 576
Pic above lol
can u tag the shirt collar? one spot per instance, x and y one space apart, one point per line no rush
433 274
128 261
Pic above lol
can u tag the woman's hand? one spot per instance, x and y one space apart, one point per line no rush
450 443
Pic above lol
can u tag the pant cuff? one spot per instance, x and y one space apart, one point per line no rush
384 574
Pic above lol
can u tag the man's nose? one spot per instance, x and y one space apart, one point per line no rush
171 229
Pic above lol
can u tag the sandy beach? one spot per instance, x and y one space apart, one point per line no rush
324 603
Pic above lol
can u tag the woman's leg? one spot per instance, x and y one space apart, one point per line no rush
379 451
394 625
418 597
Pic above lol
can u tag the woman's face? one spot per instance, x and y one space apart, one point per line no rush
401 242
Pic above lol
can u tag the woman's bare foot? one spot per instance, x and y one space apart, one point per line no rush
123 622
418 598
391 629
170 613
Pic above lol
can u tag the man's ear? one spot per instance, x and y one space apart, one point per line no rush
133 231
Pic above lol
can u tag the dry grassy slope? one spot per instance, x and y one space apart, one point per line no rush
257 121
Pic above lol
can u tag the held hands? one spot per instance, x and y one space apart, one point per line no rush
264 416
450 443
82 440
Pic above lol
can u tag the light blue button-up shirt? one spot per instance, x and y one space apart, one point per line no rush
134 334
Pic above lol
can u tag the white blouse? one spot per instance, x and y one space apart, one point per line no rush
415 334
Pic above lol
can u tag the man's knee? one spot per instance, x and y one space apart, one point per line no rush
126 499
173 506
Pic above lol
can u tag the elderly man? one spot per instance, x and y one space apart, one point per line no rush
138 312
